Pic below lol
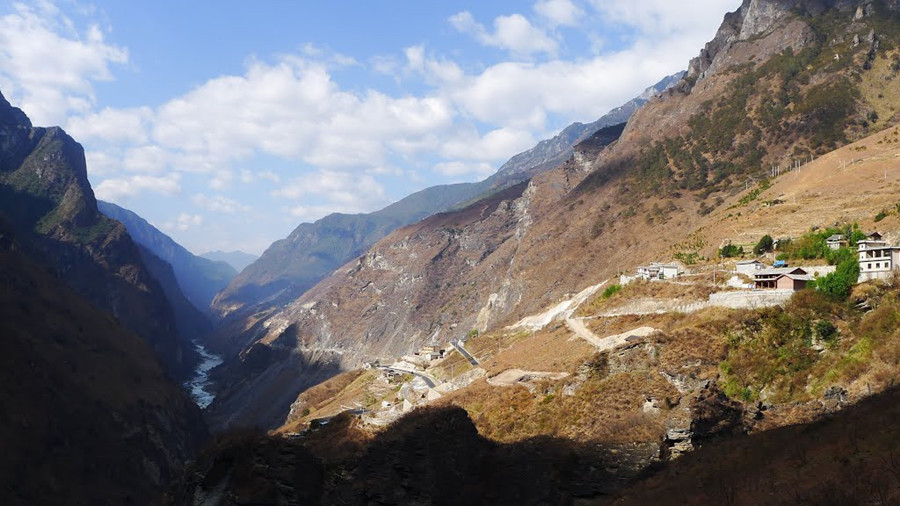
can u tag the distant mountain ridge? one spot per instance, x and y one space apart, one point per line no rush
199 278
237 259
293 265
553 151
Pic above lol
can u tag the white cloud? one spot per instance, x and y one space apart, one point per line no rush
559 12
219 204
477 169
661 18
147 159
115 189
183 222
513 33
436 72
342 191
291 109
221 179
101 163
494 145
112 126
47 67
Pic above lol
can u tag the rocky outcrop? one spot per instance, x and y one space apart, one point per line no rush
46 197
757 18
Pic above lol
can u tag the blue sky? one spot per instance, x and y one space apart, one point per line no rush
227 123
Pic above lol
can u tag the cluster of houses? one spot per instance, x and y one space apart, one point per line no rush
877 260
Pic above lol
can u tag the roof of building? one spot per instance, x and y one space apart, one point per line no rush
875 235
797 277
779 271
748 262
835 238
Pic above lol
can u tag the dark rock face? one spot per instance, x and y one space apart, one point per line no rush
46 197
715 415
89 416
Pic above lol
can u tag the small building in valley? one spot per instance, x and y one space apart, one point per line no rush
771 279
836 241
792 282
656 271
749 267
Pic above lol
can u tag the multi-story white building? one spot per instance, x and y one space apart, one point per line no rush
877 259
657 270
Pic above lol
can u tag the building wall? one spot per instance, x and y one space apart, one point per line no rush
786 283
750 300
747 269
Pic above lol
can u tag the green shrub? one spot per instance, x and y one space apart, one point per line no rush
837 285
826 330
730 250
765 244
611 290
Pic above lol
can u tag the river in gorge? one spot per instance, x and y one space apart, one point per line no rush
199 384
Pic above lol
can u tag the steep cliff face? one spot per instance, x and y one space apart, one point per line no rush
47 199
89 414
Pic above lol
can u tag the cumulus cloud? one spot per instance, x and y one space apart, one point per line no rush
559 12
663 17
513 33
115 189
496 144
183 222
148 159
219 204
342 191
48 67
112 126
455 169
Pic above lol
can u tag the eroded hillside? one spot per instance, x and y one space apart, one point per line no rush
664 189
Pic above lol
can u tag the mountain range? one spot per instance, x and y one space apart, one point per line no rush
237 259
610 206
557 383
291 266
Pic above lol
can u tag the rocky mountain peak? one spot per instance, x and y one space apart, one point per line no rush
12 116
755 18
